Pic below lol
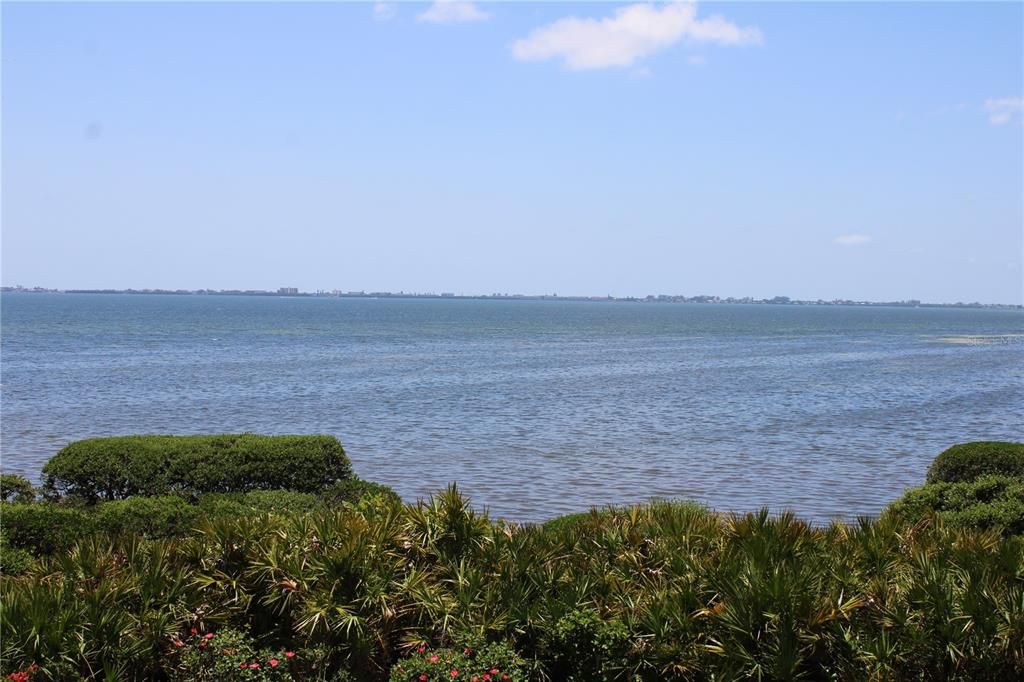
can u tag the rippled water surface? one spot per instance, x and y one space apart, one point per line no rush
536 408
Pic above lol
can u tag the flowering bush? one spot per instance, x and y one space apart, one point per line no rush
490 663
23 675
228 654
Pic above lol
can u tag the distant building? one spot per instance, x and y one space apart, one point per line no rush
288 291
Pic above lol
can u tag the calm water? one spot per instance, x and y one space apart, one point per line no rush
534 408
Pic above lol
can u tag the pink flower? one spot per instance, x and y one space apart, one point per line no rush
494 671
273 662
242 665
421 649
208 635
254 666
454 673
289 654
433 659
467 651
423 677
194 631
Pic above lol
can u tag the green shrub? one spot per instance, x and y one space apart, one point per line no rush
495 662
14 488
259 502
988 502
43 528
153 517
13 561
568 521
47 527
968 461
583 647
116 468
356 491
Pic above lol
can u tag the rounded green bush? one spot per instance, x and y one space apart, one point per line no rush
355 491
987 502
153 517
968 461
568 521
583 646
125 466
43 528
14 561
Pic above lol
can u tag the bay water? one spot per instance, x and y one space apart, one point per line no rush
535 408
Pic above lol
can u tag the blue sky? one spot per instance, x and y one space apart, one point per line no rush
868 151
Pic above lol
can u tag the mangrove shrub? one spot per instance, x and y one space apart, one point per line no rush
968 461
124 466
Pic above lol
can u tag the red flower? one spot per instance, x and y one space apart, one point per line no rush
194 631
289 654
423 677
494 671
273 662
504 676
254 666
242 665
487 676
467 651
433 659
454 673
208 635
421 649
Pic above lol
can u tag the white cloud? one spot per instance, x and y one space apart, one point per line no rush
384 11
1001 110
452 12
852 239
633 32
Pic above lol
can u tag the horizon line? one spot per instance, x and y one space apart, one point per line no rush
655 298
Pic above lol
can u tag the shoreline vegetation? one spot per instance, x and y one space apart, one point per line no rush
247 557
292 292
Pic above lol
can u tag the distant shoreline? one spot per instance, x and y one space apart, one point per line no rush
661 298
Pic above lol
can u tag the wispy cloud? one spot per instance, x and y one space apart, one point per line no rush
1001 110
384 11
852 239
631 33
452 12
